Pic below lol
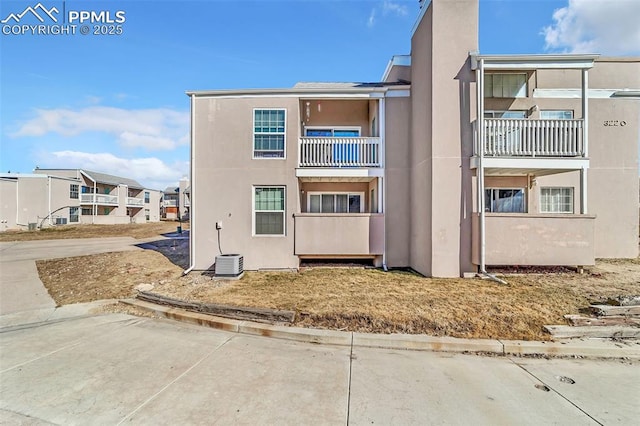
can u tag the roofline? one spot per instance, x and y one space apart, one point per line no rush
36 175
297 92
534 61
396 60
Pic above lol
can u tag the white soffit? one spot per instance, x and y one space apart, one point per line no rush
534 62
338 172
577 93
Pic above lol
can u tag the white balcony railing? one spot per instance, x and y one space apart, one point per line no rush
99 199
170 203
137 202
339 152
532 138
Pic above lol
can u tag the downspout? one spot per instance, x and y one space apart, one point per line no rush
192 210
94 198
383 147
480 178
49 199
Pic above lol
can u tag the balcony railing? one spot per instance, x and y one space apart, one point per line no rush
99 199
137 202
532 138
339 152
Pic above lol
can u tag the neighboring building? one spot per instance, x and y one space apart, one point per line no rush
176 198
66 196
454 161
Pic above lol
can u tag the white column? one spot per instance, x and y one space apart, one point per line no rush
583 190
585 111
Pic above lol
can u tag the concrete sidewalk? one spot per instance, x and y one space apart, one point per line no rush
20 285
116 369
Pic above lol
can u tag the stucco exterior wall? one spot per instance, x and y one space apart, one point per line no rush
421 145
8 205
441 137
398 185
225 175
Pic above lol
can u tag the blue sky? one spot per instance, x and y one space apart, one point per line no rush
116 103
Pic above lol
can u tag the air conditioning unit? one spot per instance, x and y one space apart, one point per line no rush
229 266
61 220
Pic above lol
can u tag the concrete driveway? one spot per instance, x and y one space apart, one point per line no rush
20 285
115 369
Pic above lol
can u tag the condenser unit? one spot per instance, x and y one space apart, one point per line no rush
229 266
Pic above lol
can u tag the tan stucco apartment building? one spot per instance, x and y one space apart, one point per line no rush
49 197
455 161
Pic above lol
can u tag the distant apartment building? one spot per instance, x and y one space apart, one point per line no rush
176 198
49 197
454 162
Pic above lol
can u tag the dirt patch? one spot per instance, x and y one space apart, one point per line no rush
358 299
135 230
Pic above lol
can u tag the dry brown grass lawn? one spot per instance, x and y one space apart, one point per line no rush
135 230
359 299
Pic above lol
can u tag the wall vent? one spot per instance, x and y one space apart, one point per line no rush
229 266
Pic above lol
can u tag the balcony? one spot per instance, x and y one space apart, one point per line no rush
532 138
135 202
536 239
336 152
102 199
169 203
339 234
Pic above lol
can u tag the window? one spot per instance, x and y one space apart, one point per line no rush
268 203
335 203
268 133
499 200
556 200
73 214
505 85
504 114
74 191
147 214
556 115
328 132
86 211
146 197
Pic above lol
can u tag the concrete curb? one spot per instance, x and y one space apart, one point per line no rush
586 348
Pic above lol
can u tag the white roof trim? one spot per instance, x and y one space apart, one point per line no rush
338 172
396 60
534 62
423 10
577 93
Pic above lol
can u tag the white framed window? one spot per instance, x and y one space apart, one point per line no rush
87 211
74 191
504 114
556 200
332 132
73 214
335 202
556 114
504 200
505 85
269 133
269 210
147 197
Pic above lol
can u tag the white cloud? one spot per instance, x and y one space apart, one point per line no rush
152 129
388 7
596 26
392 7
372 18
151 172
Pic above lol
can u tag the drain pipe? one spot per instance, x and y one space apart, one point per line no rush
193 191
480 171
383 187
